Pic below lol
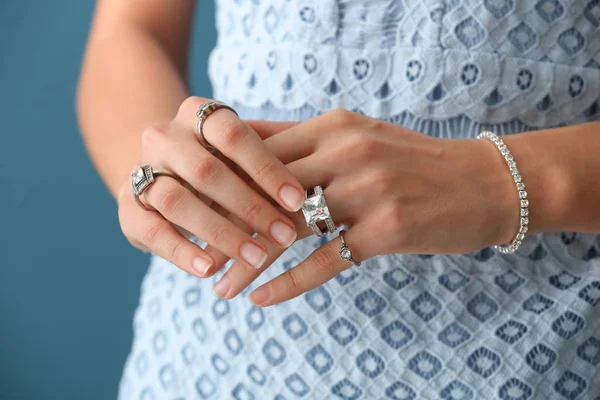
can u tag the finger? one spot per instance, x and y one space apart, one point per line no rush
266 129
178 205
219 257
212 178
310 174
221 261
321 266
298 141
162 238
233 137
313 170
237 278
309 171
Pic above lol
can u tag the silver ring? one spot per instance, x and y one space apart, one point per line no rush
202 114
345 253
315 210
143 177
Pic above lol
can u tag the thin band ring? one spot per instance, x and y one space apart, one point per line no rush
345 253
202 114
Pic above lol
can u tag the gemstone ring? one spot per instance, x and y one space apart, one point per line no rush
143 177
315 210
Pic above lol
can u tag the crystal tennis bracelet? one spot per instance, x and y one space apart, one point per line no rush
512 165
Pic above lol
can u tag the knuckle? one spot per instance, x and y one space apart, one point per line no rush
151 138
190 105
251 210
397 223
153 235
177 250
170 199
360 145
291 281
323 260
376 124
233 132
205 170
218 233
265 170
341 117
379 180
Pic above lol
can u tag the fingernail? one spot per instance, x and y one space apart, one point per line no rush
283 233
291 197
201 265
260 295
253 254
222 286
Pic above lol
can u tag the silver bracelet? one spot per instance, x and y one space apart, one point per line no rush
524 216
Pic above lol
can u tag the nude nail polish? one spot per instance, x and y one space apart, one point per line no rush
253 254
291 197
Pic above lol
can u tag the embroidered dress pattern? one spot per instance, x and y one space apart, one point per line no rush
482 325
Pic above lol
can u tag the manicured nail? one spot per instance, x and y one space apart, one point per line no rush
201 265
283 233
253 254
222 286
291 197
260 295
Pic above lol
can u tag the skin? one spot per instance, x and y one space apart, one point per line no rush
424 195
131 45
420 194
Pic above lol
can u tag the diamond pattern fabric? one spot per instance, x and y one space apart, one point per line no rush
483 325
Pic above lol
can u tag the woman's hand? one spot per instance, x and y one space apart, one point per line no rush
397 190
174 146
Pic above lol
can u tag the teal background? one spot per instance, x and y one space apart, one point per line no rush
69 280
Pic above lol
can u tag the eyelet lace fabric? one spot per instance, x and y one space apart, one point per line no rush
484 325
492 61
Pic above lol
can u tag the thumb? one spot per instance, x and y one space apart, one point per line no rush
266 129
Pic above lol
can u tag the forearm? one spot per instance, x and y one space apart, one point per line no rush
127 82
560 168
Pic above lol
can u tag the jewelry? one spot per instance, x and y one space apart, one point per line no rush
315 209
524 217
202 114
143 177
345 253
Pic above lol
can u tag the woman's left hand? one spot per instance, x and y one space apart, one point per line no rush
397 191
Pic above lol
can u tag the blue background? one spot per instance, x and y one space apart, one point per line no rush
69 280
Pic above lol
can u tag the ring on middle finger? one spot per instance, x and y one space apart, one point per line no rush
315 210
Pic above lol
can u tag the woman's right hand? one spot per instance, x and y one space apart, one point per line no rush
174 146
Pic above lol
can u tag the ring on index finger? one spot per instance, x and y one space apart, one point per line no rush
202 114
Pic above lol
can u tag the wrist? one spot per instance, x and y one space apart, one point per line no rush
547 178
499 204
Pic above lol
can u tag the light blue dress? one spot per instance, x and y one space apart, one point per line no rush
455 327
